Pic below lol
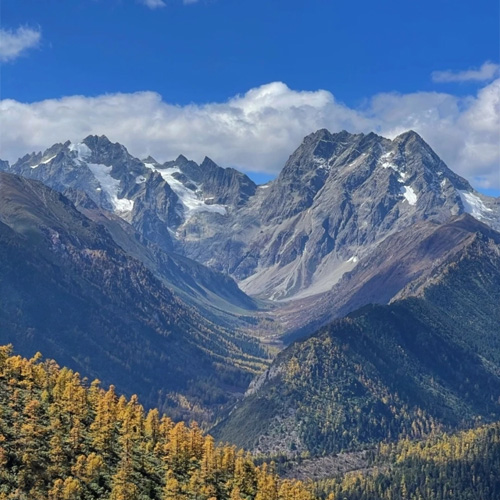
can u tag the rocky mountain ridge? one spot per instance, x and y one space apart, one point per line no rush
337 199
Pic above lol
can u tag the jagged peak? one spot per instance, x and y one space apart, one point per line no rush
94 141
95 137
322 133
208 163
56 148
181 159
150 160
344 134
325 134
409 135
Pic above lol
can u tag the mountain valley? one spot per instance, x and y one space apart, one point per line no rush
351 301
68 288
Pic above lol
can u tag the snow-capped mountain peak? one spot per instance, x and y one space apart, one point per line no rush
338 196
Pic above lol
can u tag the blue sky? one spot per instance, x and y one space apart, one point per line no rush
216 64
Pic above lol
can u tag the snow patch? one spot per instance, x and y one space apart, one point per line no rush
111 187
82 151
353 259
322 163
190 200
385 162
43 162
122 204
140 179
409 194
48 160
474 205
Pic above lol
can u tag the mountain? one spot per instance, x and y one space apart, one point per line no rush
311 243
337 197
70 290
430 360
156 199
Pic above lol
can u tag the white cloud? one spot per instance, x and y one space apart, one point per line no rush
154 4
14 43
257 131
488 71
465 132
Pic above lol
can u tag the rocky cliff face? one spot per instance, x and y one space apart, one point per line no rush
337 198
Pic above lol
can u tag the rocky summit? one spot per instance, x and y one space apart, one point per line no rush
337 198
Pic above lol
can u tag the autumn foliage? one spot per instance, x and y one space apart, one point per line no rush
63 439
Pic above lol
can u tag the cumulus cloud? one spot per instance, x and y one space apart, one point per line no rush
258 130
488 71
154 4
14 43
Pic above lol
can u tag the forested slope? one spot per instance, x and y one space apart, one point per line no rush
464 466
421 364
61 439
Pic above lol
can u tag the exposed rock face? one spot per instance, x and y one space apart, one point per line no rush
337 198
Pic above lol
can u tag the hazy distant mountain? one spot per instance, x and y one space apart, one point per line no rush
69 290
429 360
